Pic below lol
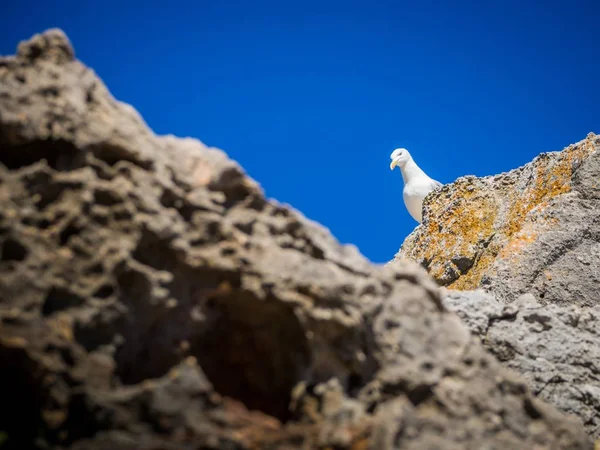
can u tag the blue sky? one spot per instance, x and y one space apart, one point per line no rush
312 97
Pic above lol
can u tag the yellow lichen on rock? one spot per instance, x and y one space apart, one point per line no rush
552 178
460 224
470 223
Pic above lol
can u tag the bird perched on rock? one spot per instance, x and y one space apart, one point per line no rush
417 184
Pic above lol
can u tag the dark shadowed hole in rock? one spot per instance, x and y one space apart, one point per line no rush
155 252
122 214
254 351
48 194
13 250
426 263
355 383
95 269
234 195
419 394
146 351
106 197
60 155
463 263
228 251
59 299
84 420
22 399
68 232
104 291
101 329
530 409
41 223
25 394
427 366
315 252
257 203
169 199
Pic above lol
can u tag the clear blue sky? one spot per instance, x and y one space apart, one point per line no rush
312 97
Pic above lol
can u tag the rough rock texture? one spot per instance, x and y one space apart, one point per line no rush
533 230
150 297
531 235
555 347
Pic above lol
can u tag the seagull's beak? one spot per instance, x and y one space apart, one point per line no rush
393 164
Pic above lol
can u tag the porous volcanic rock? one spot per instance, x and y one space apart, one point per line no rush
151 297
535 229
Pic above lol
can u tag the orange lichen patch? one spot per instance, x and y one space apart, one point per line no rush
535 224
516 246
469 218
552 178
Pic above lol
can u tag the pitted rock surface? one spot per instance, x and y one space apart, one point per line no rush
151 297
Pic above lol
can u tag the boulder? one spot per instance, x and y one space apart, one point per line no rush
535 229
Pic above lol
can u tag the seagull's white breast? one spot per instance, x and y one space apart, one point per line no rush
414 193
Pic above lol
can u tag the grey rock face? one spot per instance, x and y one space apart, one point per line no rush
151 297
554 347
562 265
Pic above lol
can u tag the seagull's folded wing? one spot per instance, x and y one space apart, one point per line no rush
435 184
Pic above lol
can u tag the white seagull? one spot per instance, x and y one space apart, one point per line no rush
417 184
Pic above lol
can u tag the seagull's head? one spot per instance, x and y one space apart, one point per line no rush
399 157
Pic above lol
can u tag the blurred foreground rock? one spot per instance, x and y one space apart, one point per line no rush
152 298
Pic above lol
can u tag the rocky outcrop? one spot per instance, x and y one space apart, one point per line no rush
554 347
530 236
533 230
151 297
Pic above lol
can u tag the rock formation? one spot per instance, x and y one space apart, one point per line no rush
554 347
534 229
529 236
151 297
